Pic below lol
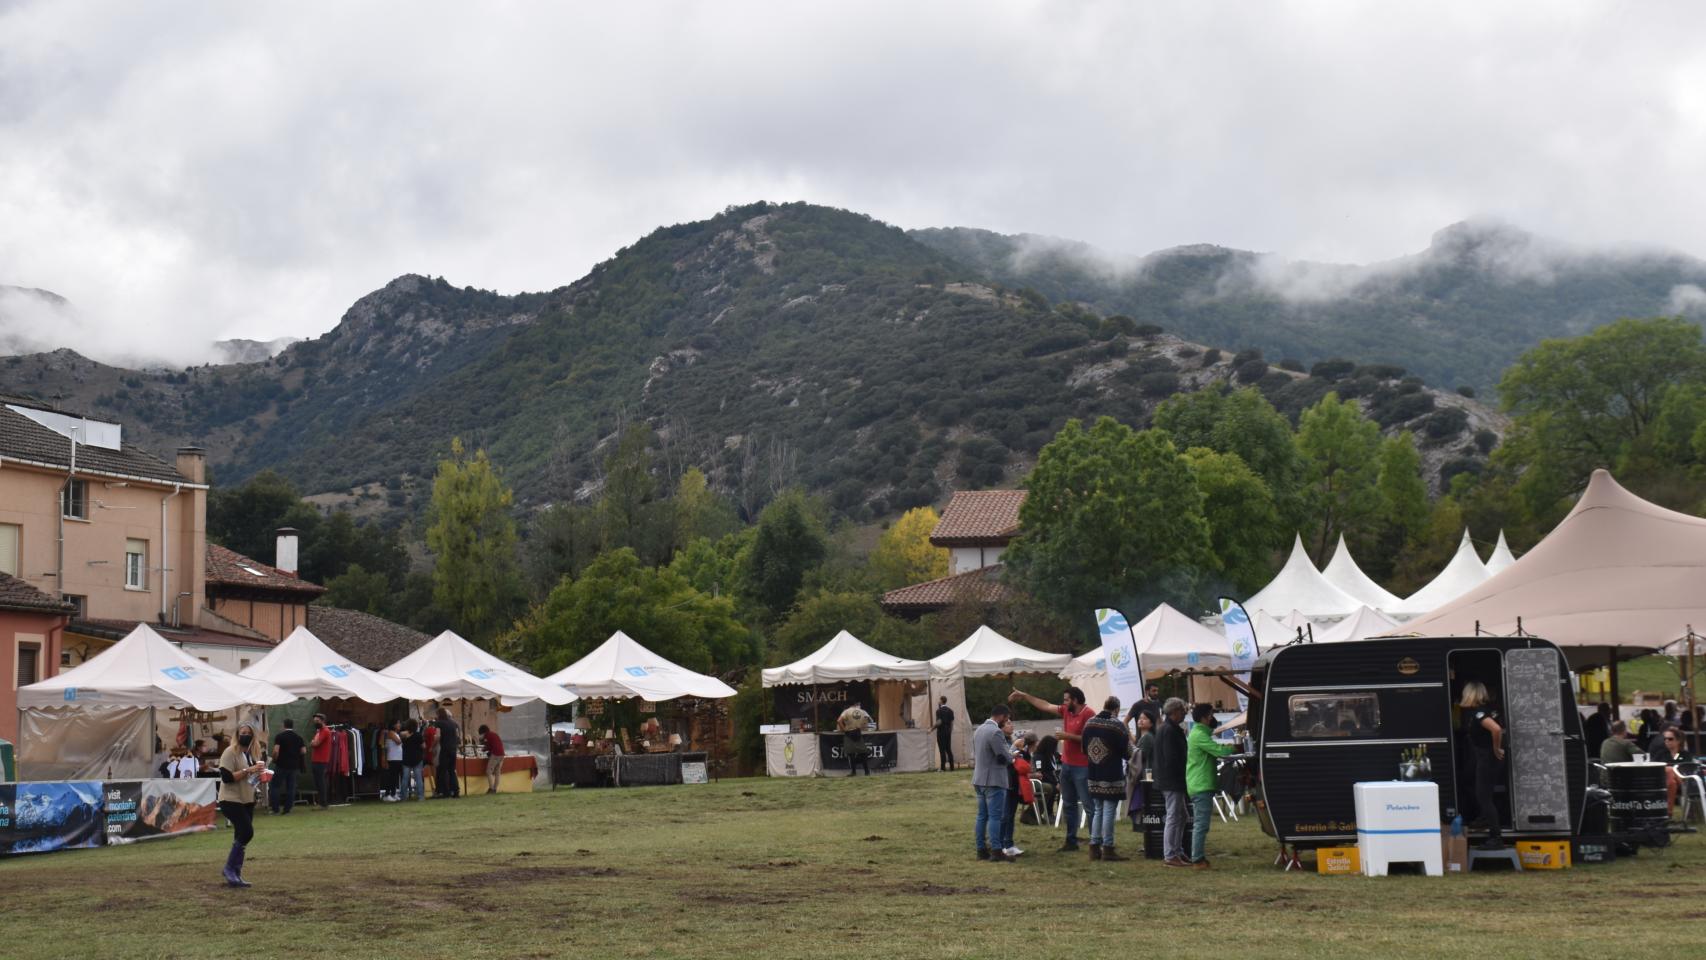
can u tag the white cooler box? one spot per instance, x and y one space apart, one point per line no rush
1398 822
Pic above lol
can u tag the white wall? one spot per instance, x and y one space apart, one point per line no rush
967 559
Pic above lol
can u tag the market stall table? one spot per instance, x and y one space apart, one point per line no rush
515 776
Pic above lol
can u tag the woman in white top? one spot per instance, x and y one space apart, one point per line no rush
392 742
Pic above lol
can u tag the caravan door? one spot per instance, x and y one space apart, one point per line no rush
1534 710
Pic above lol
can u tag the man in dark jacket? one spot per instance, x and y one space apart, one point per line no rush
989 763
1107 744
449 745
1170 780
945 735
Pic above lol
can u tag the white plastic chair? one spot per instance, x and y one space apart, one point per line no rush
1037 802
1691 792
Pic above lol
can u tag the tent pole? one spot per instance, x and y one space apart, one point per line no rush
1688 691
1616 698
459 735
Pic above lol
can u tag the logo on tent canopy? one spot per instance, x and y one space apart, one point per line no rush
178 673
333 670
636 671
481 673
70 694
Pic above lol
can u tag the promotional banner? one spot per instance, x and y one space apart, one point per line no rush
1125 672
142 809
1241 637
795 702
884 749
43 817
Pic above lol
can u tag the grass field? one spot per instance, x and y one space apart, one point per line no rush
809 869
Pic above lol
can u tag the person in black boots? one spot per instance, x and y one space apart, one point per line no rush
1486 741
449 745
945 735
239 775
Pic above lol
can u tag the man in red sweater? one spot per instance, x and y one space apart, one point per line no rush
1074 766
494 756
320 760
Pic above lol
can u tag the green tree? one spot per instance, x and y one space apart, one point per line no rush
472 538
904 553
1244 423
1111 516
628 508
710 567
359 589
246 518
1403 492
1585 402
654 606
699 511
1340 449
790 542
1244 524
561 540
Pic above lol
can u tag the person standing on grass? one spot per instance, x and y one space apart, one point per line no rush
414 753
449 744
494 748
320 760
391 739
240 768
1170 780
1142 761
945 735
990 761
1017 768
1201 781
287 750
1107 744
852 723
1074 768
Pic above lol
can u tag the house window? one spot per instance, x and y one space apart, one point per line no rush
10 535
1334 714
136 564
28 654
78 601
74 499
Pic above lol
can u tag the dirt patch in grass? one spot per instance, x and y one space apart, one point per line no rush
770 865
924 888
740 898
532 875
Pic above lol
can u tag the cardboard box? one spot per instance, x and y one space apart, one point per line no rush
1543 854
1454 851
1337 860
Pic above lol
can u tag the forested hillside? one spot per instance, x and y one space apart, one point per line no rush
1458 313
770 346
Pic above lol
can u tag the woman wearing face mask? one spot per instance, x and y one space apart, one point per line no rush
239 775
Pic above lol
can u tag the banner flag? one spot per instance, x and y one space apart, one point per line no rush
1119 649
1241 638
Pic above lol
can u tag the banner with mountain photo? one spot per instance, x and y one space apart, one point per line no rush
43 817
1125 671
143 809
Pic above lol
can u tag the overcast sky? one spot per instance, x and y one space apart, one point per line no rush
187 172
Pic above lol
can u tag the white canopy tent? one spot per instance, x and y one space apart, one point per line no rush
97 720
1464 573
989 654
1365 623
147 670
1299 586
1502 556
846 657
1273 631
621 668
1165 640
455 669
1617 572
1342 572
304 666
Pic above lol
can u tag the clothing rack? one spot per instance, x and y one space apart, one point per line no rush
357 744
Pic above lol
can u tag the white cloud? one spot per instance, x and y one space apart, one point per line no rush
185 172
1686 300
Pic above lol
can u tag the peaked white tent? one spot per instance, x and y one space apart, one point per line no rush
1464 573
1616 572
1273 631
304 666
1169 640
988 654
1343 572
1502 556
455 669
1299 586
621 668
1365 623
846 657
147 670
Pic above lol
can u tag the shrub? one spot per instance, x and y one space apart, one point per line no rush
1445 423
1159 384
1147 330
1295 366
1486 440
1453 467
1245 356
1250 371
1185 353
1336 368
1211 356
1466 391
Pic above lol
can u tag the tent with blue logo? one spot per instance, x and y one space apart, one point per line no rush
96 721
304 666
621 668
455 669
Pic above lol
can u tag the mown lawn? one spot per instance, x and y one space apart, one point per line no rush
808 869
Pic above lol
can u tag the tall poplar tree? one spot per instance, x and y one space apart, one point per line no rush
472 537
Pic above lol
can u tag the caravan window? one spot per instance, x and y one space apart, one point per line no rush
1334 714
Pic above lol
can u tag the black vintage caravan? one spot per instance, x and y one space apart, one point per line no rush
1332 715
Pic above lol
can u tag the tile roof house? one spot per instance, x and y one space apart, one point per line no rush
32 624
371 641
976 526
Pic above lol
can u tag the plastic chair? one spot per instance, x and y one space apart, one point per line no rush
1691 791
1037 802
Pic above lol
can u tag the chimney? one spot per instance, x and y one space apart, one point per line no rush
192 463
285 559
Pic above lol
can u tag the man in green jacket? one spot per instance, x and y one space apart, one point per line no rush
1201 750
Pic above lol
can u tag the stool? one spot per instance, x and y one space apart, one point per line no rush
1507 855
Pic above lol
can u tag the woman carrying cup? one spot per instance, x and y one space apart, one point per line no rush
240 773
